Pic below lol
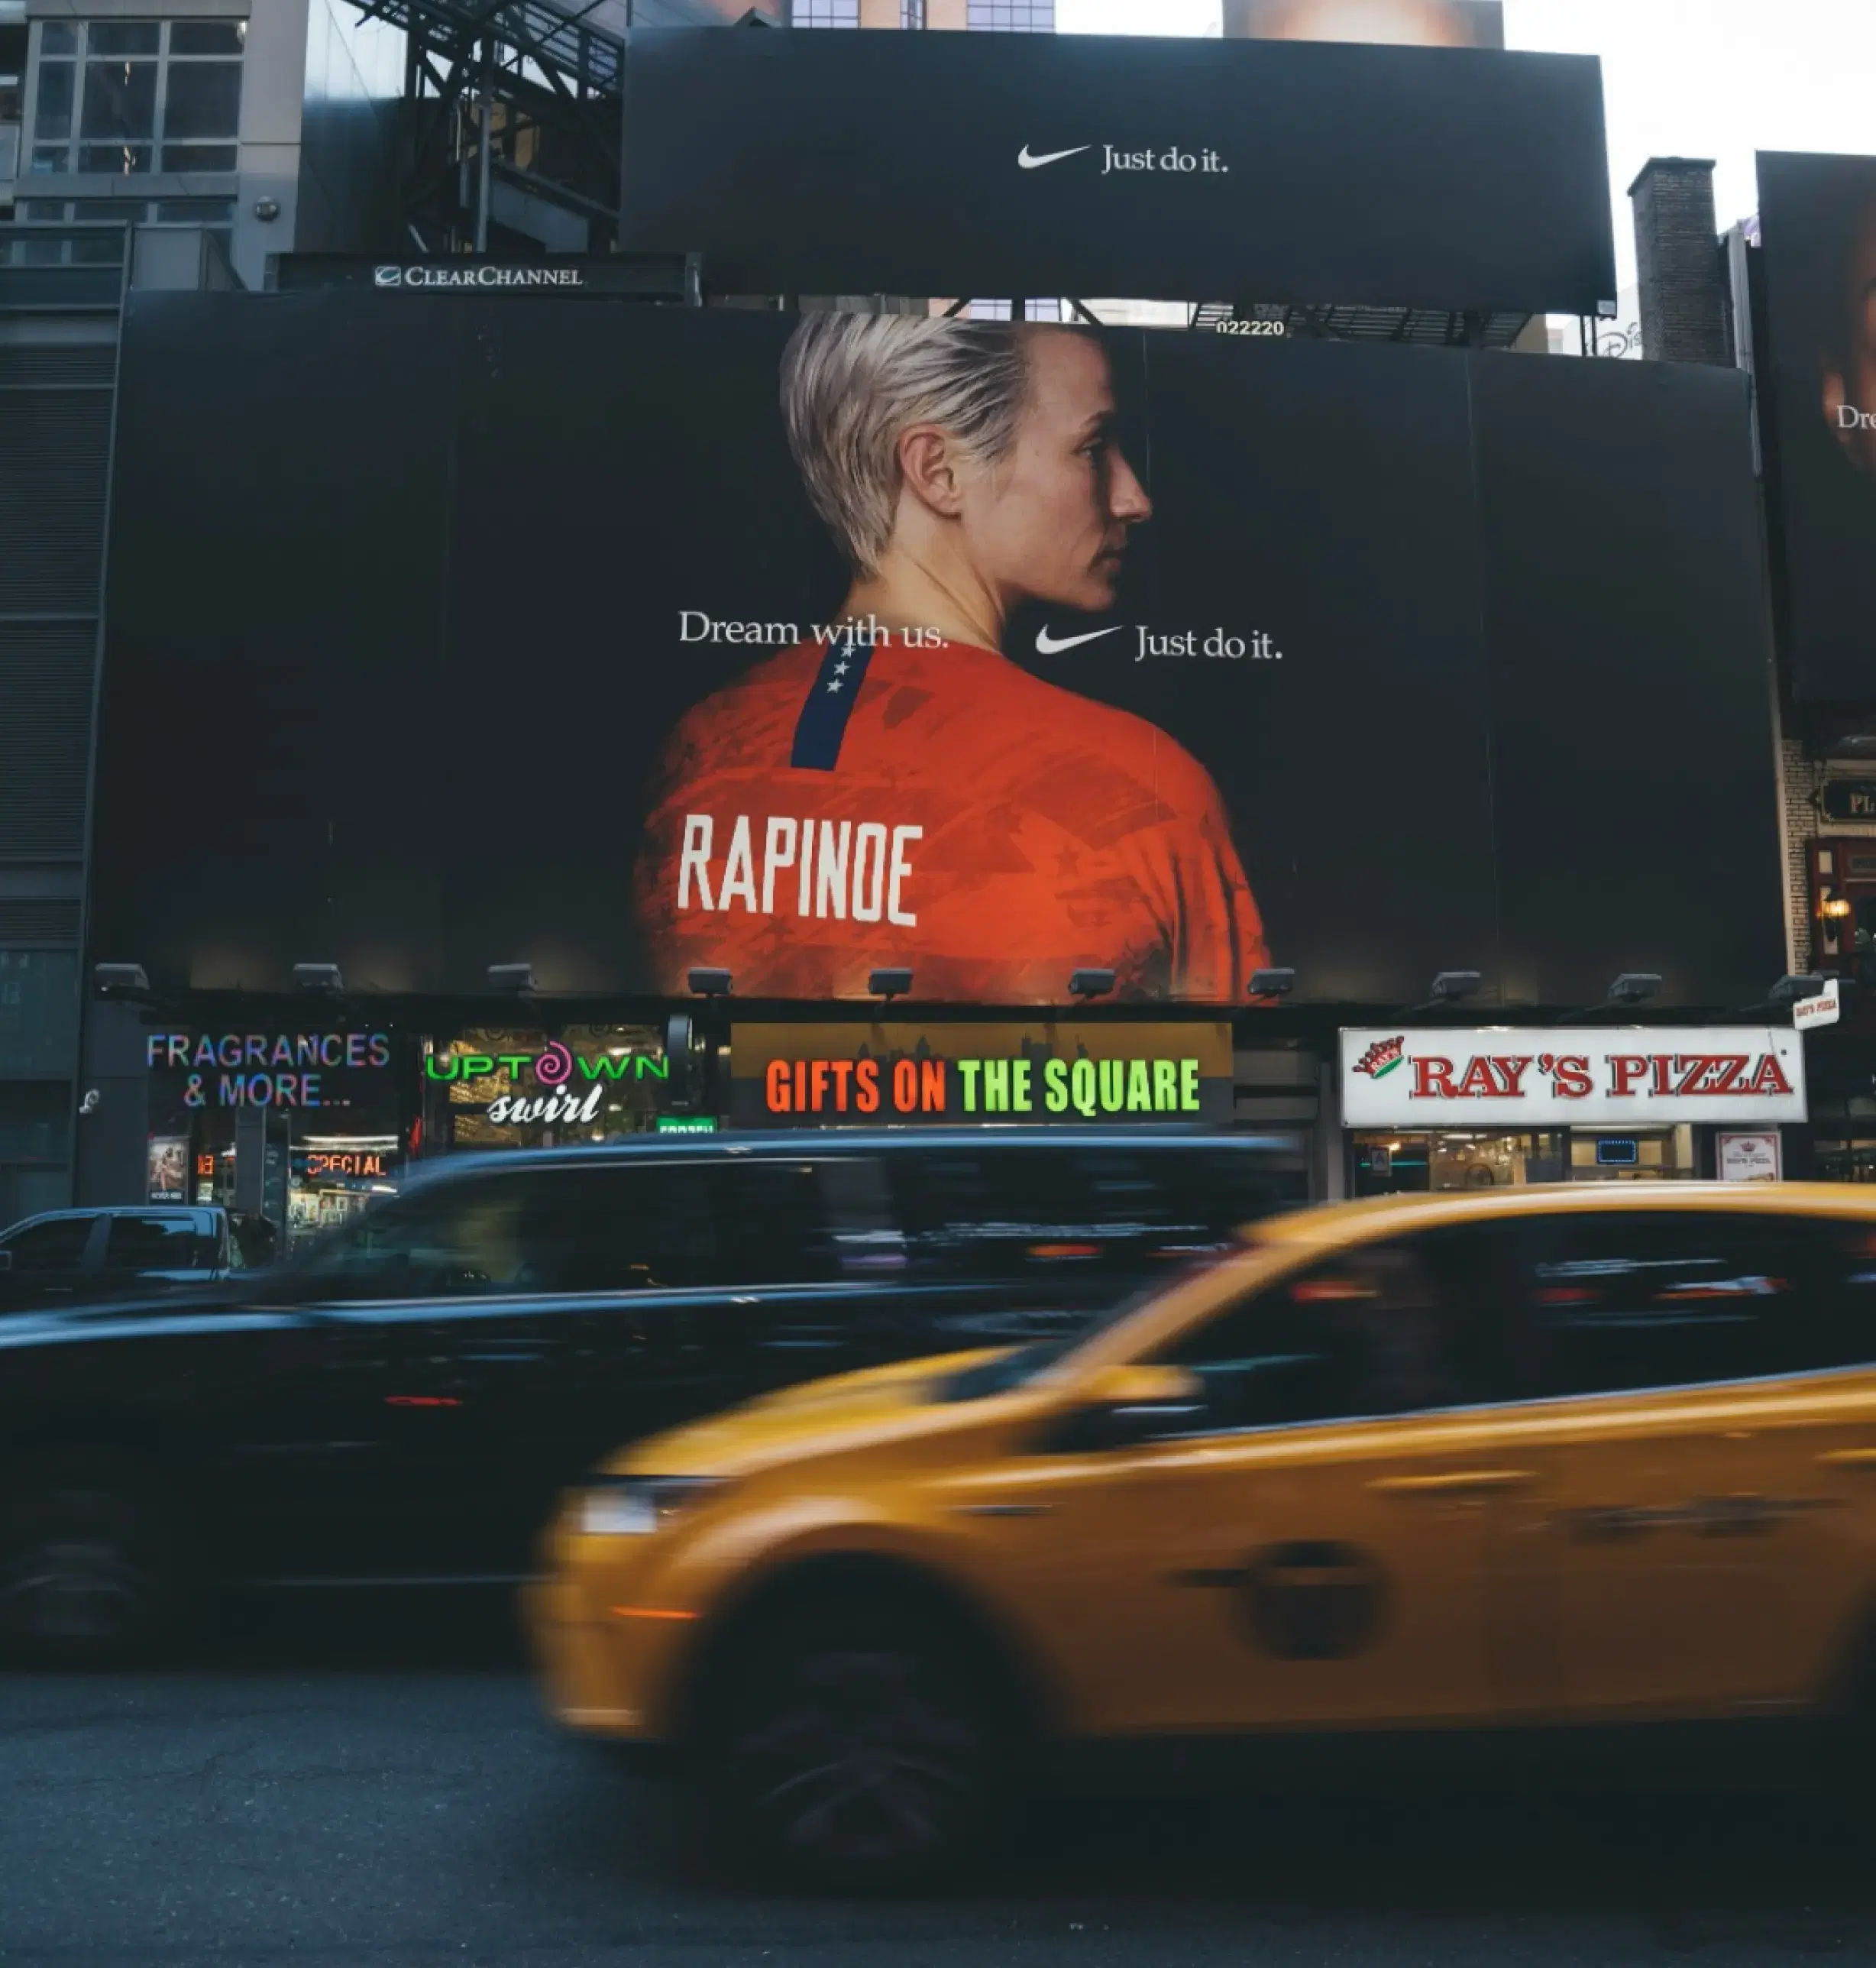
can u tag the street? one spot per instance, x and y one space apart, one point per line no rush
314 1792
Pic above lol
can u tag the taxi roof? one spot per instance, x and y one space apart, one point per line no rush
1328 1224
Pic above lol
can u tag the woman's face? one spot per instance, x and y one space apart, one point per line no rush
1049 520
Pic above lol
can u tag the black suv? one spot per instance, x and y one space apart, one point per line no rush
403 1403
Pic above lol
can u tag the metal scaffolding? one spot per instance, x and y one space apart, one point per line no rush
513 118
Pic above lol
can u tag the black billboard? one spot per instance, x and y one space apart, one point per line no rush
1075 164
1817 306
518 630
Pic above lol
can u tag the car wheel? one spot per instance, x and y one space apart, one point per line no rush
852 1749
91 1561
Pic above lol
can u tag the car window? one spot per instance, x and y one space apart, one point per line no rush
1384 1328
156 1243
456 1238
1077 1210
604 1227
1848 1275
1630 1299
56 1246
693 1224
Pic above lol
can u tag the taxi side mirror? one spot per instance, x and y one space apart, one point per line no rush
1120 1405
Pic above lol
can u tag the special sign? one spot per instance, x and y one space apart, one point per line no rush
1568 1076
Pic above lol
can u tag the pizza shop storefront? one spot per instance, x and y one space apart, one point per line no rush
1498 1107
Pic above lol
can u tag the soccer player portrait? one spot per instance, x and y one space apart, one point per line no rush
900 792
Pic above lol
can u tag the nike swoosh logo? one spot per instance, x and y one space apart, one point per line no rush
1030 163
1047 645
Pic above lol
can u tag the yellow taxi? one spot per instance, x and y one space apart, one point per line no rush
1544 1465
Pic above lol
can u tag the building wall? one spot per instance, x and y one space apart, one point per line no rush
350 119
1801 777
317 137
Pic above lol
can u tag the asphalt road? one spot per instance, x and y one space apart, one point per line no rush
318 1795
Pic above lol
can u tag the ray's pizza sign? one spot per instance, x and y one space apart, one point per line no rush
1571 1077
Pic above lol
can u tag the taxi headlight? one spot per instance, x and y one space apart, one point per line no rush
636 1505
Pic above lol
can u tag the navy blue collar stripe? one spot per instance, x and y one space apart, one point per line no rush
822 725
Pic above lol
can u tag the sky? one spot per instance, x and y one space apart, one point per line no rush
1717 79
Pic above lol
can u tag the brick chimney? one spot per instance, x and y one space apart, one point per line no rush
1677 262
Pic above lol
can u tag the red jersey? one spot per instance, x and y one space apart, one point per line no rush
840 807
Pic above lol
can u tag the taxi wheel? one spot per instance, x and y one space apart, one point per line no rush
91 1561
854 1751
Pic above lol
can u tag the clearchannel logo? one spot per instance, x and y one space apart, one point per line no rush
430 277
1172 162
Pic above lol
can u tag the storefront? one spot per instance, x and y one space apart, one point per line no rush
292 1128
1500 1106
296 1130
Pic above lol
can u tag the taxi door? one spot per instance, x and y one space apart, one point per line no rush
1704 1459
1318 1544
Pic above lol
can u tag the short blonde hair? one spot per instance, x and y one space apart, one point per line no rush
852 383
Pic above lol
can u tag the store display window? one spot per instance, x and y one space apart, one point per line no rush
490 1088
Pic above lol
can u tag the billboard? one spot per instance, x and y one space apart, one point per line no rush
623 641
1817 377
1079 164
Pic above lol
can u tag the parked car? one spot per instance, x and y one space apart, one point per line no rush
62 1256
404 1402
1485 1482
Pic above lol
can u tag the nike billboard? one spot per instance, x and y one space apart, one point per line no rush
1816 314
625 641
1076 164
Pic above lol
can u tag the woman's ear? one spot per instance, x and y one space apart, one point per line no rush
928 466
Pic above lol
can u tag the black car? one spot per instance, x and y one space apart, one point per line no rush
62 1255
402 1403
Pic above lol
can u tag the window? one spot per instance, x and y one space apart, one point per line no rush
647 1226
215 215
1658 1298
825 14
1021 16
1384 1329
130 97
994 1213
156 1243
35 1120
57 1244
458 1239
38 1012
911 13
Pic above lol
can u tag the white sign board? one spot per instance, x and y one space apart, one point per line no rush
1572 1076
1824 1009
1750 1157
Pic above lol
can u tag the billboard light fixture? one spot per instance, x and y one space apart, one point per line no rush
889 984
118 980
1272 983
1635 987
708 983
1451 984
512 977
1794 985
1090 983
319 977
